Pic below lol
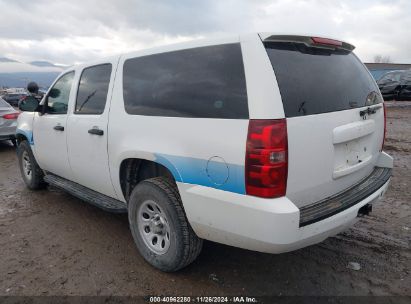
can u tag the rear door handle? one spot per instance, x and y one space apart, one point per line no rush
58 128
95 131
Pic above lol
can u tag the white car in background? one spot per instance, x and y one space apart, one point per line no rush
261 141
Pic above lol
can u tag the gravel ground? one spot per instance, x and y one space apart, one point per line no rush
54 244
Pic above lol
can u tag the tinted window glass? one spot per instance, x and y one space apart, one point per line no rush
58 96
92 90
397 76
316 80
202 82
387 77
407 77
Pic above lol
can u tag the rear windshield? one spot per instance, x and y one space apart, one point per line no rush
317 80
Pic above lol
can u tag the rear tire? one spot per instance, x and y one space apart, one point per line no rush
159 226
29 169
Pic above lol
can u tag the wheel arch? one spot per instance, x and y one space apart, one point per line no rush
24 135
20 137
134 170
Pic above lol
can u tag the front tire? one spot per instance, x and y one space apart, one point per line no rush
29 169
159 226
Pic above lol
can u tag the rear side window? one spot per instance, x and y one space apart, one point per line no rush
92 90
407 78
387 77
318 80
205 82
391 77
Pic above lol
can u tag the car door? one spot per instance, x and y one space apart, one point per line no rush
87 128
49 128
405 93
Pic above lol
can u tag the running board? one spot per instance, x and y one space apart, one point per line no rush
94 198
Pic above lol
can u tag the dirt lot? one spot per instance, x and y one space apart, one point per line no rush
54 244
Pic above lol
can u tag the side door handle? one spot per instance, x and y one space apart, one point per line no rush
95 131
58 128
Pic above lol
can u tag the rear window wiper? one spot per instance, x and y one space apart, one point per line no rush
370 110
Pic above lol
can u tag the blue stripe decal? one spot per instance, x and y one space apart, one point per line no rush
194 171
28 134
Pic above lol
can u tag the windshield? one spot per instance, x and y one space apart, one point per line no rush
316 80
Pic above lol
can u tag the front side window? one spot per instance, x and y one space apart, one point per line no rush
203 82
93 89
59 94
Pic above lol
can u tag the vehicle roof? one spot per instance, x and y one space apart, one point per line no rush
396 71
162 49
265 35
190 44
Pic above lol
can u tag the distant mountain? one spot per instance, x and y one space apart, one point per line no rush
17 74
12 66
42 64
4 59
20 80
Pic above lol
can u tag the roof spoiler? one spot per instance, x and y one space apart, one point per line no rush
312 41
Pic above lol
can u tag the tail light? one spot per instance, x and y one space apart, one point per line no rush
326 41
385 126
266 158
11 116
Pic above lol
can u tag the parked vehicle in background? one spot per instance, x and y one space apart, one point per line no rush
8 121
260 141
33 93
13 98
16 91
396 85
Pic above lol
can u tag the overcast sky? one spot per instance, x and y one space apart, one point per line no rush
75 31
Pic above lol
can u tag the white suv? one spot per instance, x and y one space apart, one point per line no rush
261 141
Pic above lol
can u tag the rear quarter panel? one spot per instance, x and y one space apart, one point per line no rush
199 151
202 151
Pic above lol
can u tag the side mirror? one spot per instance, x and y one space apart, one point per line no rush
29 104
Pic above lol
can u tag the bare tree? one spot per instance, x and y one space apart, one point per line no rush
377 58
382 59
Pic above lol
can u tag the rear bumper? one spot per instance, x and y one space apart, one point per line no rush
341 201
265 225
8 130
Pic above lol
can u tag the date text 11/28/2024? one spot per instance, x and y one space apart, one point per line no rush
202 299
